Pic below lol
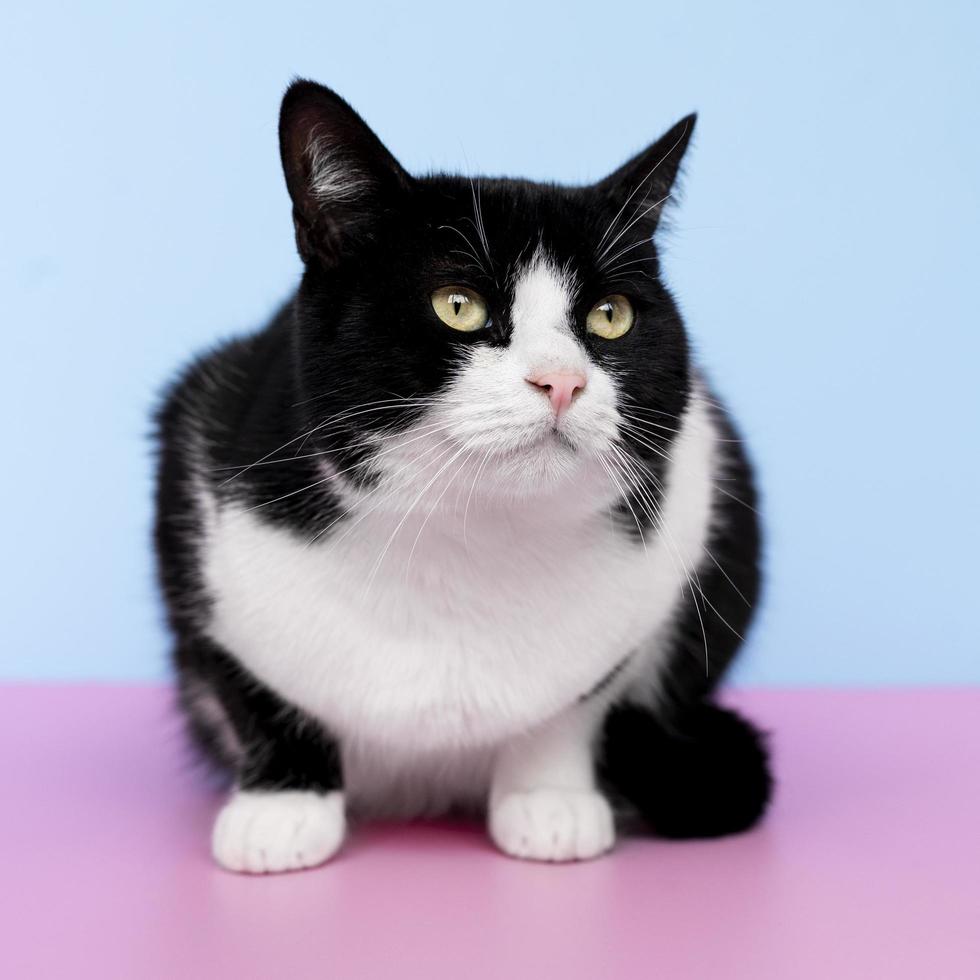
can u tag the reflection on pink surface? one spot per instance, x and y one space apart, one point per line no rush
869 864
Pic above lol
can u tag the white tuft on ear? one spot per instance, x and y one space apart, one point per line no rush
333 178
339 175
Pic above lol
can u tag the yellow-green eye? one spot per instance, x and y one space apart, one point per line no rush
460 308
611 317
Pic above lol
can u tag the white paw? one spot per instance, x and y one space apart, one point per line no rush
552 824
264 830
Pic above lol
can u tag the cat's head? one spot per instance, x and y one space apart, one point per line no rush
512 330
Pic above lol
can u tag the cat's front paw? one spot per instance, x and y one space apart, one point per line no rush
552 824
259 831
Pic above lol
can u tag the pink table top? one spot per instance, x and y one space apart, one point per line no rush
868 866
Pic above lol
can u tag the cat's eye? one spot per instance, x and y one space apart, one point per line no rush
611 317
460 308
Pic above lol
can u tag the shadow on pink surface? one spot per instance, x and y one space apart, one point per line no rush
868 865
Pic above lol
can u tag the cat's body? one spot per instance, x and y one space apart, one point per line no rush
408 572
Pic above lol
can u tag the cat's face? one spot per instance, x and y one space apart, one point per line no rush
511 332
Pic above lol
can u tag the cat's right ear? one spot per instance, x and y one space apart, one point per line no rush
339 174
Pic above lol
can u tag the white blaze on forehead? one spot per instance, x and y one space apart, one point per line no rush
542 338
543 297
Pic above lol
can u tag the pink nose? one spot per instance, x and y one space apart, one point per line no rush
560 386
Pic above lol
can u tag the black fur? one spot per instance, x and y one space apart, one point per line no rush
281 747
698 772
360 330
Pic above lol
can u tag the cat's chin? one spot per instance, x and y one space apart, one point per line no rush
537 469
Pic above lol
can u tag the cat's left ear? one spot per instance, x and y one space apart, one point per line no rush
339 174
641 187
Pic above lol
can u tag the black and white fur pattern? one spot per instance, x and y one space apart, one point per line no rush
399 583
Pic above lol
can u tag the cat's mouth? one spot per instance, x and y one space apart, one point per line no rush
552 439
560 438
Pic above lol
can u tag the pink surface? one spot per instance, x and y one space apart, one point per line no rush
869 864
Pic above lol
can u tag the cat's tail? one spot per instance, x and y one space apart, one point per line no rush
703 774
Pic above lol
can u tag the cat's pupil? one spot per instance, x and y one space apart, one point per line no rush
457 306
609 312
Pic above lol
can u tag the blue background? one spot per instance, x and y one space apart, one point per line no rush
825 255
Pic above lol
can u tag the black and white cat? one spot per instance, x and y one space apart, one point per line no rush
462 529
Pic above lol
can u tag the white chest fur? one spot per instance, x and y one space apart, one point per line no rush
450 645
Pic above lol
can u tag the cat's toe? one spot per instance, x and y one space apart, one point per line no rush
262 831
552 824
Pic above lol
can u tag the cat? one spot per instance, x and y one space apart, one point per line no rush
463 529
